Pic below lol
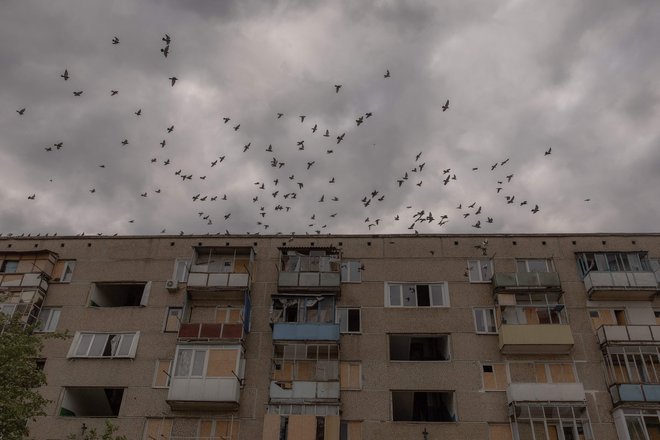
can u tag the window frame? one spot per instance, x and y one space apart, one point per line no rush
53 318
78 338
475 311
345 268
14 266
480 263
549 265
67 271
494 366
388 294
345 385
168 374
183 276
338 319
167 319
206 349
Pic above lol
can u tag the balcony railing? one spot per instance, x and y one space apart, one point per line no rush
545 392
204 393
628 334
308 272
32 279
641 286
535 339
505 281
211 332
288 331
629 392
215 279
303 390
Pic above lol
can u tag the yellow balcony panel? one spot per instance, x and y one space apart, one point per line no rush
535 339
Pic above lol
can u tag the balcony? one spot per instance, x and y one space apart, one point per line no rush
635 393
288 331
627 286
535 339
211 332
303 391
204 393
224 268
511 282
32 279
309 269
545 392
637 334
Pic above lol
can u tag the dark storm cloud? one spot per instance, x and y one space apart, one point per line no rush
521 78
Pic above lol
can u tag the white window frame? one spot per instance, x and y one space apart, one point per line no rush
168 373
481 264
167 318
345 270
238 367
484 310
80 336
67 271
549 264
445 294
343 324
181 269
48 318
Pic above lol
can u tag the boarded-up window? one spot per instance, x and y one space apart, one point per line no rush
173 319
500 432
222 363
162 374
555 373
158 429
601 317
302 427
494 376
350 430
228 315
219 429
271 427
350 375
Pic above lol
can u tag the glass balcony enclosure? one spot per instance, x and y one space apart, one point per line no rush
310 268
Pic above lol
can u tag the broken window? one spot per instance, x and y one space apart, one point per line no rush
225 429
494 377
9 266
613 262
484 320
419 348
91 402
416 295
173 319
317 309
104 345
348 320
312 261
534 265
351 272
207 362
163 373
480 271
120 294
305 362
534 308
350 430
48 318
222 260
423 406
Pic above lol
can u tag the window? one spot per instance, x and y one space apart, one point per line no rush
163 373
104 345
303 309
305 362
173 319
642 424
207 362
657 317
416 295
601 317
419 348
9 266
613 262
181 268
348 320
91 402
423 406
494 377
534 265
480 271
227 429
534 308
484 320
159 429
497 431
550 422
63 270
120 294
351 272
350 375
350 430
632 364
555 373
228 315
48 319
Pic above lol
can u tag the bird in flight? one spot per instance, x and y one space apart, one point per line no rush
446 106
113 92
302 118
124 142
115 40
32 197
337 87
65 75
21 111
139 112
327 133
340 138
58 145
78 93
166 50
535 209
387 74
237 127
547 153
170 129
509 177
162 144
359 120
226 120
314 128
166 39
173 79
279 115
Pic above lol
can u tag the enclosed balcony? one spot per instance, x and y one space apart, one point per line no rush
304 318
225 332
633 372
545 392
225 322
309 269
511 282
628 334
216 268
27 269
206 378
534 329
635 393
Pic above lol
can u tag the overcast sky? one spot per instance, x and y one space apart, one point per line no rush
580 80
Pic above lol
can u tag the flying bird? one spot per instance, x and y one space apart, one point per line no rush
78 93
226 120
170 129
139 112
173 79
115 40
337 87
340 138
32 197
162 144
113 92
124 142
302 118
279 115
327 133
21 111
314 128
535 209
65 75
166 39
446 106
387 74
237 127
165 50
547 153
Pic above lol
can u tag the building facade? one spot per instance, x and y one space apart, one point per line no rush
535 336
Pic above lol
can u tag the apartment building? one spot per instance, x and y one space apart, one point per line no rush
530 336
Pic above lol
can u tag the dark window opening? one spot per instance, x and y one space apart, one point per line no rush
9 266
91 402
420 406
423 298
354 320
419 348
320 428
284 427
120 294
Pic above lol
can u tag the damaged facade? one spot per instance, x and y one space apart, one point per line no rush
539 336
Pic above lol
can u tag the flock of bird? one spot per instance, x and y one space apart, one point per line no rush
272 197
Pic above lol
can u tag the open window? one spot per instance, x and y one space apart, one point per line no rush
480 271
104 345
534 265
120 294
91 402
423 406
9 266
419 348
484 320
416 295
303 309
351 271
349 320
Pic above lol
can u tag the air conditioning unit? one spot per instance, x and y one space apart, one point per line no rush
172 285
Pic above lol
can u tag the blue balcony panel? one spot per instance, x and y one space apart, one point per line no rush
288 331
